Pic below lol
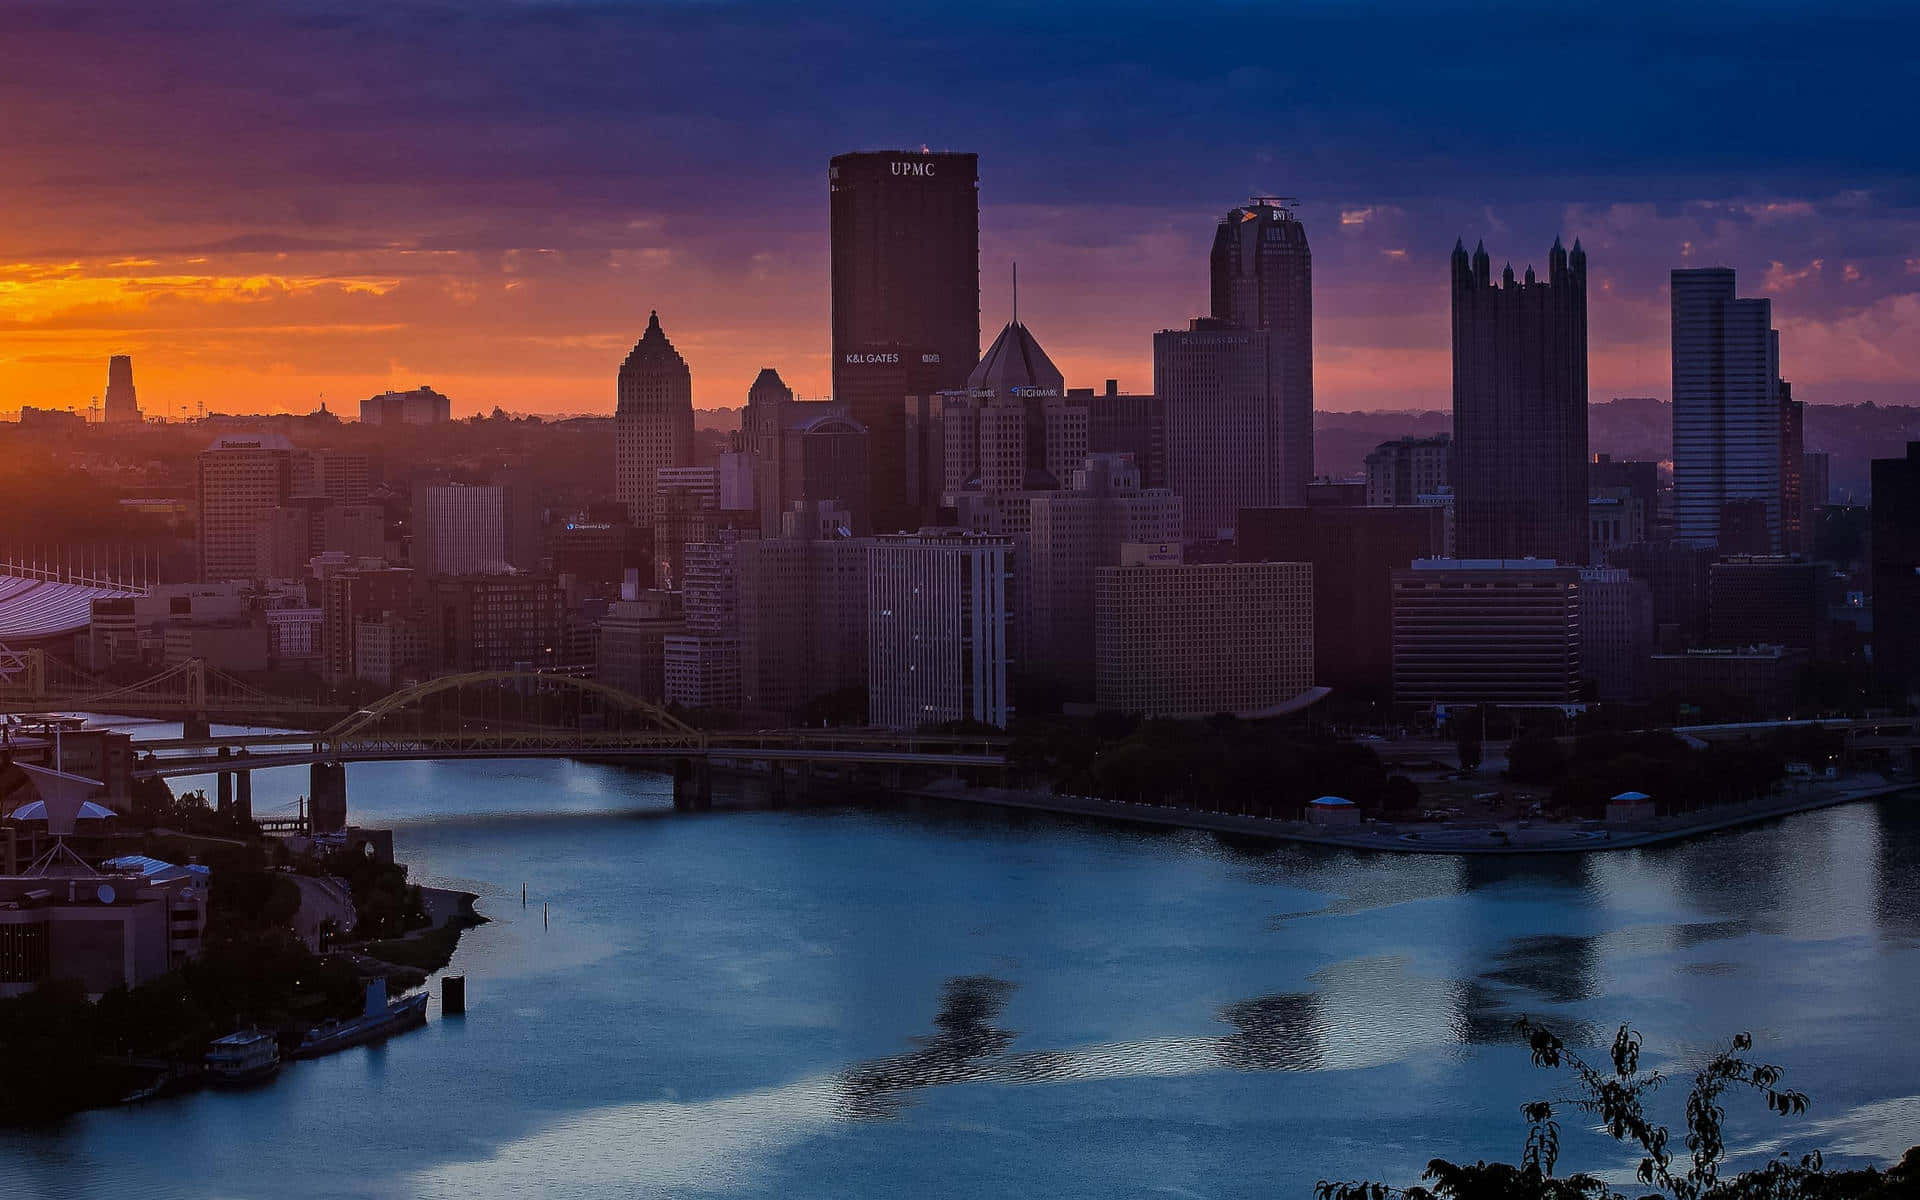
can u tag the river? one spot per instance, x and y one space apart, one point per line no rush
850 1003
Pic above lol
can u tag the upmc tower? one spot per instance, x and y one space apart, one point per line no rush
906 295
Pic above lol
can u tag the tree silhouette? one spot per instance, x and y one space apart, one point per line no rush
1614 1095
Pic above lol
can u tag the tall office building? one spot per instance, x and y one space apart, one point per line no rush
1896 569
335 475
1121 423
1405 469
905 268
1076 531
1795 533
1222 436
1816 484
1486 631
121 406
702 665
1263 279
492 623
1176 639
1014 430
1726 406
803 616
461 529
1616 634
905 230
804 452
937 629
1520 408
1354 551
653 424
237 481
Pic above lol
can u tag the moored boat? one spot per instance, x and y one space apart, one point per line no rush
238 1059
381 1020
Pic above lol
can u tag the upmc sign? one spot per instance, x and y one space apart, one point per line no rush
913 168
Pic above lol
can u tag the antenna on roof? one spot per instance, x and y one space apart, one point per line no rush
1016 291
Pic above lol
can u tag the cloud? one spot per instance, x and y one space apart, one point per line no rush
1780 277
607 159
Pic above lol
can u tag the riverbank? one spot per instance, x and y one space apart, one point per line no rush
1424 837
412 957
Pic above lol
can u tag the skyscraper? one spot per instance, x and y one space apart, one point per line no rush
1520 408
1726 410
905 268
653 424
1075 531
1896 570
1795 534
1014 430
1221 456
1263 279
121 407
937 617
237 481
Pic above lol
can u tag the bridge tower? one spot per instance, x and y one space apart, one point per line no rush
327 797
196 725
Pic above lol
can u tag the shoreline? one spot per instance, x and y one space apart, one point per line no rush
1397 838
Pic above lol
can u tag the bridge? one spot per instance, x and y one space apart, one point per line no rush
192 692
518 714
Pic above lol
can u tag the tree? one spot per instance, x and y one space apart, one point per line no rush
1614 1096
1466 739
1535 758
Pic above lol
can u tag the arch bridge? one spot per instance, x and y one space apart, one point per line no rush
517 714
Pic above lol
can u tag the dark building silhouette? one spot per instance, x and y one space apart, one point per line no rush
121 407
1354 552
804 451
872 386
1743 527
1896 568
1793 449
652 423
1486 631
1677 576
1764 600
1520 408
1816 486
1638 479
1118 423
905 268
1262 272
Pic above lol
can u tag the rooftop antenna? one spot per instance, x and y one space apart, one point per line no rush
1016 291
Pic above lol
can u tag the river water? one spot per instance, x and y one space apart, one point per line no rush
850 1003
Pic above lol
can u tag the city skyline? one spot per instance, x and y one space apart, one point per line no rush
513 273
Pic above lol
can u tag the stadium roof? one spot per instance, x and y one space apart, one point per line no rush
39 608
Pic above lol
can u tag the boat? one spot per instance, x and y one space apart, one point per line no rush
381 1020
242 1058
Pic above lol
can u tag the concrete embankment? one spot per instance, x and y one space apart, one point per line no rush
1512 837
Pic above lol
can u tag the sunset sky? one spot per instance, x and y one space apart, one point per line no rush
266 201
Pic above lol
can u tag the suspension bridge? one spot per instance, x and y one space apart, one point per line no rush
192 692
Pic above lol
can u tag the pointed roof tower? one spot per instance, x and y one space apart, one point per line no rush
1015 360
